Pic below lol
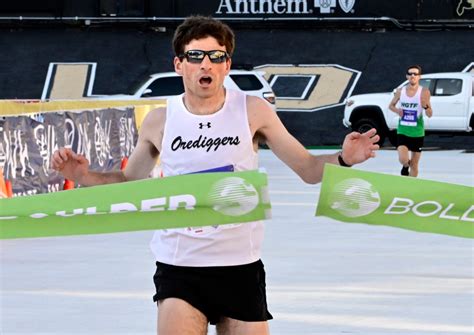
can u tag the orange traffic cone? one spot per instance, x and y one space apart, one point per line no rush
3 186
123 164
9 186
68 184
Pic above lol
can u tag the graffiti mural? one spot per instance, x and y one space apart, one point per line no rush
104 137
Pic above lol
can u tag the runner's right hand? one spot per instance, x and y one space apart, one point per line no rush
71 165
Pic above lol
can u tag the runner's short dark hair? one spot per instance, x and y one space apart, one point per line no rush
418 67
197 27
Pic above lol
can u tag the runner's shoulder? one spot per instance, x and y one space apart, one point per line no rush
153 121
155 116
257 107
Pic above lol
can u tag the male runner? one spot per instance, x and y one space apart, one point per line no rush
211 274
411 131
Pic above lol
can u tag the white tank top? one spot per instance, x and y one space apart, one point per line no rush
411 106
192 143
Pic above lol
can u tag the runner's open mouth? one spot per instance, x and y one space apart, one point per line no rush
205 80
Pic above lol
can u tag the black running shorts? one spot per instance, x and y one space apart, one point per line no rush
413 144
236 291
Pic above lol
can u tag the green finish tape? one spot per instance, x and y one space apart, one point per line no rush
352 195
182 201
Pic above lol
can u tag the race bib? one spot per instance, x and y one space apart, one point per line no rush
409 118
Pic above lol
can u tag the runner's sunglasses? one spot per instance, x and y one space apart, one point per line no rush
196 56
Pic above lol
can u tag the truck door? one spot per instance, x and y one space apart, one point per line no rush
449 103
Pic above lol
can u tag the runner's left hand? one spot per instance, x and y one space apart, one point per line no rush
358 147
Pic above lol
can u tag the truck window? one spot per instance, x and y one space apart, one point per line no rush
429 84
246 82
166 86
447 87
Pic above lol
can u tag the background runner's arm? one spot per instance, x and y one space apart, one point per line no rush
393 104
425 102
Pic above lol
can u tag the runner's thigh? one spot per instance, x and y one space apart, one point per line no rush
228 326
176 316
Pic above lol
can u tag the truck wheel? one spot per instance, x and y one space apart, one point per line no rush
364 125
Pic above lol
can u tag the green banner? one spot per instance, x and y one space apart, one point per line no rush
352 195
183 201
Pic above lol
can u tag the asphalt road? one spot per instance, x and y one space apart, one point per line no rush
323 276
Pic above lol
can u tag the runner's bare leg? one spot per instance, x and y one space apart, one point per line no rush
176 316
230 326
414 161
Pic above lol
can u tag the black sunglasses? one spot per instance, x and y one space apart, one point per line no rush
196 56
412 74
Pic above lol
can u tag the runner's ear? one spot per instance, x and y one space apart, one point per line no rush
178 66
228 65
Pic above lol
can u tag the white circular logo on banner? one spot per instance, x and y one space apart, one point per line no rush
233 196
354 197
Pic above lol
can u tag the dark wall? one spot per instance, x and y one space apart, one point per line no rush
126 55
399 10
121 58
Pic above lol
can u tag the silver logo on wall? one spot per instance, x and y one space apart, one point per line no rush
347 5
282 7
325 5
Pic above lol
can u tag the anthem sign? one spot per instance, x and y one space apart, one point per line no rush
283 7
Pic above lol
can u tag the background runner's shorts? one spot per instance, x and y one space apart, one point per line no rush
236 291
412 143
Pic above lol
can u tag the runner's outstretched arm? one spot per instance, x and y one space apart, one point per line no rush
356 147
76 167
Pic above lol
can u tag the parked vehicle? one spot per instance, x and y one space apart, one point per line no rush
452 100
166 84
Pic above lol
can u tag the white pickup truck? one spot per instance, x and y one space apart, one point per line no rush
452 100
165 84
